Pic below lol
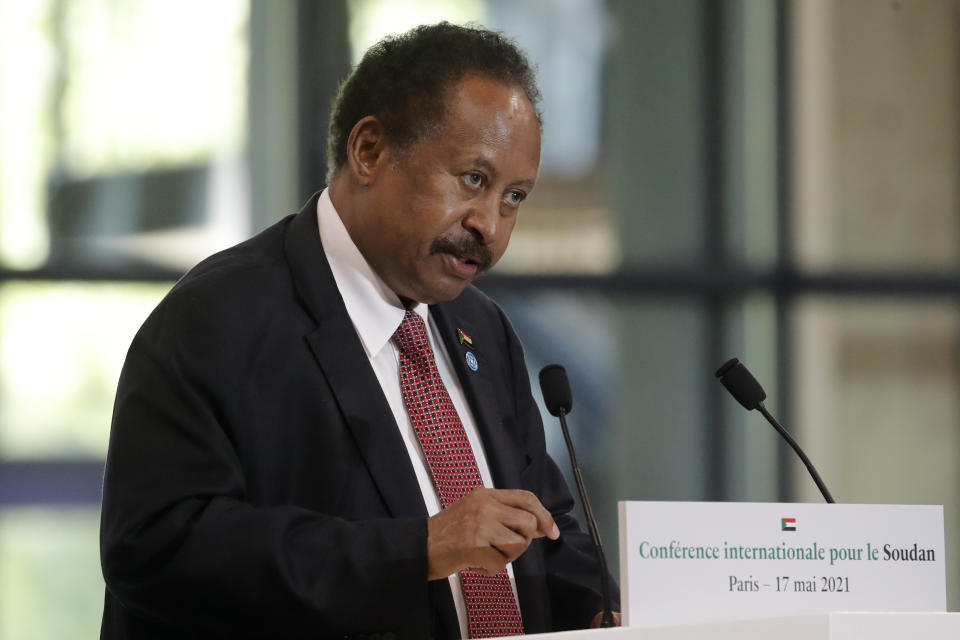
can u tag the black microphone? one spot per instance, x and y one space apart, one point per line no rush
559 401
748 392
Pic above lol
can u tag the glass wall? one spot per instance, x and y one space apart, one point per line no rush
772 180
124 131
876 96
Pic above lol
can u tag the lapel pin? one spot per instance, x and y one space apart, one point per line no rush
471 361
464 338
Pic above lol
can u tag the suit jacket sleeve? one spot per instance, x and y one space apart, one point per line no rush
184 546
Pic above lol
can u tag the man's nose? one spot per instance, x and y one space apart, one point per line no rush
483 217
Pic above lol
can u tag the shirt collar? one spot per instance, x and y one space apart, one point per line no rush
375 310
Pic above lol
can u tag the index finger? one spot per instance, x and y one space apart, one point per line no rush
521 499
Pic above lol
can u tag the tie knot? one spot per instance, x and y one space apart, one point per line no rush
411 336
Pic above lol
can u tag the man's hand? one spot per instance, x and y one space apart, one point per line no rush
485 530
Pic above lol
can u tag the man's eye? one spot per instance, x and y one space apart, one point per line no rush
474 179
514 198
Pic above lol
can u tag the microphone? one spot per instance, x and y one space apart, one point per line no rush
748 392
559 401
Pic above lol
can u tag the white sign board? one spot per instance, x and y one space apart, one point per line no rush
695 561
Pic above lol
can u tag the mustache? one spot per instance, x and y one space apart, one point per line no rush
466 248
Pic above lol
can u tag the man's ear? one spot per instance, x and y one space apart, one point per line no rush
365 149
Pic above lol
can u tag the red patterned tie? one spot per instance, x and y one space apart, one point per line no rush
491 608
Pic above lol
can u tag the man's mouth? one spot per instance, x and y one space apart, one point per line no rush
467 258
462 266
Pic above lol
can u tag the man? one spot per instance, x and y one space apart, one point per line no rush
325 431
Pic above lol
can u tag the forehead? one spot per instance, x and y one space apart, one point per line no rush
477 96
485 112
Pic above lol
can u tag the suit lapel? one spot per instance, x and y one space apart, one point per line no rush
338 351
506 455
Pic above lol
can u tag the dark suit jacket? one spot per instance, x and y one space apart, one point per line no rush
256 482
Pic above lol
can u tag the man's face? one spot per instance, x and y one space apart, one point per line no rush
445 207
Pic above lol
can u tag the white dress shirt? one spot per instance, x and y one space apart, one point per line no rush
376 313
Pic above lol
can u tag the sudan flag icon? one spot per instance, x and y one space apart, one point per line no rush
788 524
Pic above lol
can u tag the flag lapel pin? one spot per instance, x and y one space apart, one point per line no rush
464 338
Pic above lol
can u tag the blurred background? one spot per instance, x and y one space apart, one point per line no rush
769 179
